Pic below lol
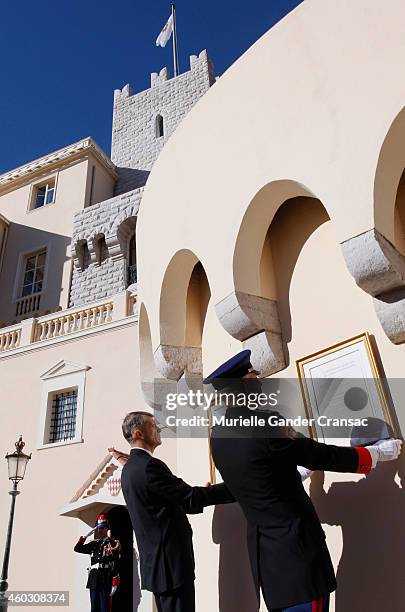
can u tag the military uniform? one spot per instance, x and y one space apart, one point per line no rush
289 558
103 571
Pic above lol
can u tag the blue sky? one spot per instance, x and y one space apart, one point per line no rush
61 61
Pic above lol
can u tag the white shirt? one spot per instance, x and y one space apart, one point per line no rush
143 449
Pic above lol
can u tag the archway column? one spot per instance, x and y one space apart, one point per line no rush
379 269
254 320
174 361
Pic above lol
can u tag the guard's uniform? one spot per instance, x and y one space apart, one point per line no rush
289 558
104 567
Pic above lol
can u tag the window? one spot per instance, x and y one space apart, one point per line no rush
44 194
101 249
34 269
83 254
132 271
62 425
62 405
159 126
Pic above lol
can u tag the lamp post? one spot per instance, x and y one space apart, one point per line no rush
17 463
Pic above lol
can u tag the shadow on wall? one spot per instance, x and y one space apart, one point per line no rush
370 513
293 224
235 582
129 179
22 241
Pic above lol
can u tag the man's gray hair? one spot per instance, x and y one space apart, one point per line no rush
132 421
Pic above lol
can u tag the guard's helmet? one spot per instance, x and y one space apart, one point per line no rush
102 521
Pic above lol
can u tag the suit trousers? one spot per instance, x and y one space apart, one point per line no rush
178 600
319 605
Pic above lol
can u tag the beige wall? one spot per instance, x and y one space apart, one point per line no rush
100 183
49 226
313 109
321 307
55 474
294 113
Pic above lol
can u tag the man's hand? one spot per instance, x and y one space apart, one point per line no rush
89 533
118 455
304 472
385 450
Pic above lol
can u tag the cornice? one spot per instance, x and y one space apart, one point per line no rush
82 146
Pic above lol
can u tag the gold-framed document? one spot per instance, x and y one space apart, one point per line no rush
344 398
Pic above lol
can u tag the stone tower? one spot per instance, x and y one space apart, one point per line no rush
143 122
103 241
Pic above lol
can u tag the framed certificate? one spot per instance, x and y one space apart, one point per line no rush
343 394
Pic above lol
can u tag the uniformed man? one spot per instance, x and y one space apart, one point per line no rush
157 503
263 470
103 578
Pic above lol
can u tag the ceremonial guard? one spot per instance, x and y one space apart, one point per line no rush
263 469
158 503
103 578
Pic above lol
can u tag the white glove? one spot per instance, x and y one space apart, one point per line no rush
384 450
304 472
90 532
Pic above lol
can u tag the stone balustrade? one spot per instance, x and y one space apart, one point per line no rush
10 338
58 325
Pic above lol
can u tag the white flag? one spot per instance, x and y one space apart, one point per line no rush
165 34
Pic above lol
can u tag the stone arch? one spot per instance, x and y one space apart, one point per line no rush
183 303
131 212
390 168
376 258
251 313
148 373
100 248
82 257
126 236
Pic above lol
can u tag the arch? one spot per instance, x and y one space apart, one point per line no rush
253 229
126 236
173 297
100 248
198 296
251 313
83 257
389 170
183 304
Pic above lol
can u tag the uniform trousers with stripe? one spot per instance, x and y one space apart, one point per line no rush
100 601
320 605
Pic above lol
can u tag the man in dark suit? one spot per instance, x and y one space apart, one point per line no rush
289 558
157 503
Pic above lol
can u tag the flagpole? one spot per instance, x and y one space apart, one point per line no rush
175 55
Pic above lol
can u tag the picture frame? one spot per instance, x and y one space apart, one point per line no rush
342 382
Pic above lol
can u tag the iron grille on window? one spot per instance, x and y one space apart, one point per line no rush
63 417
132 274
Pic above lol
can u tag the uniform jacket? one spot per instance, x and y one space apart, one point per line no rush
157 503
99 579
288 553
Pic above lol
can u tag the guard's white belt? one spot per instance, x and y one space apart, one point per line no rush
101 565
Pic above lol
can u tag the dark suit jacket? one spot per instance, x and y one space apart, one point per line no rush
287 548
157 503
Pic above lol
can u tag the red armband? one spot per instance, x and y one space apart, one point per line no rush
365 460
115 581
81 539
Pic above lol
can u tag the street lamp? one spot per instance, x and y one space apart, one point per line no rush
17 463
